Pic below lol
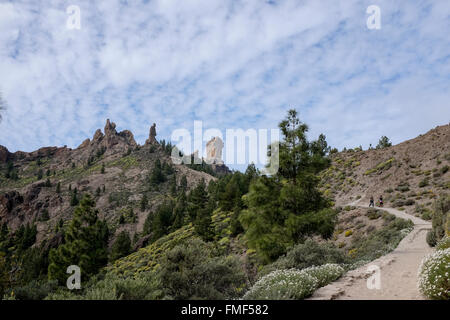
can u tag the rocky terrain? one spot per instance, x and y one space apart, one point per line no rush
111 166
42 188
409 175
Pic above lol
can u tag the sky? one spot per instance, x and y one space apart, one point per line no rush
230 64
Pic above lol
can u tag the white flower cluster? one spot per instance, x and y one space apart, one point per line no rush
292 283
434 280
326 273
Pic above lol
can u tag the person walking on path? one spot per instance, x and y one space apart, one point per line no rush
381 201
371 203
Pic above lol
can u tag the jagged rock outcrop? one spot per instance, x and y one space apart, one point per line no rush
113 138
85 144
8 201
98 136
127 169
152 135
33 191
110 139
129 137
214 151
110 134
4 154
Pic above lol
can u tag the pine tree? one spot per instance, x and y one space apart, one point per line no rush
163 220
74 200
48 183
384 143
86 241
9 169
173 185
284 208
179 212
103 168
200 209
144 202
4 274
183 184
40 174
203 222
121 247
157 175
167 169
198 198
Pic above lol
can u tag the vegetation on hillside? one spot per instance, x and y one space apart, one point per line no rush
243 234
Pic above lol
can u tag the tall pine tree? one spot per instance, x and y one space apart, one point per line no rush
284 208
86 241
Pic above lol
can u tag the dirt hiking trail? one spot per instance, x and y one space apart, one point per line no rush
398 269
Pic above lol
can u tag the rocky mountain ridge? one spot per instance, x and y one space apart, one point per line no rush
38 187
409 175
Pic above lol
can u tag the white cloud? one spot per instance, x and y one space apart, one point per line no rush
231 64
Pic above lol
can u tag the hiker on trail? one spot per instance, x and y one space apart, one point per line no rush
371 204
381 201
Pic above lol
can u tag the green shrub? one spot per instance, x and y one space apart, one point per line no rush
373 214
434 280
382 241
440 220
398 203
145 286
307 254
293 284
424 183
426 215
190 271
443 244
34 290
326 273
431 238
402 188
121 246
283 285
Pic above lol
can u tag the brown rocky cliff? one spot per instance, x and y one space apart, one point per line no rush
4 154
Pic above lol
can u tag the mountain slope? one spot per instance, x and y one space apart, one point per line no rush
111 166
409 175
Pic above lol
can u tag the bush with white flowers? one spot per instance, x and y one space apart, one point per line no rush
293 284
443 244
434 280
326 273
